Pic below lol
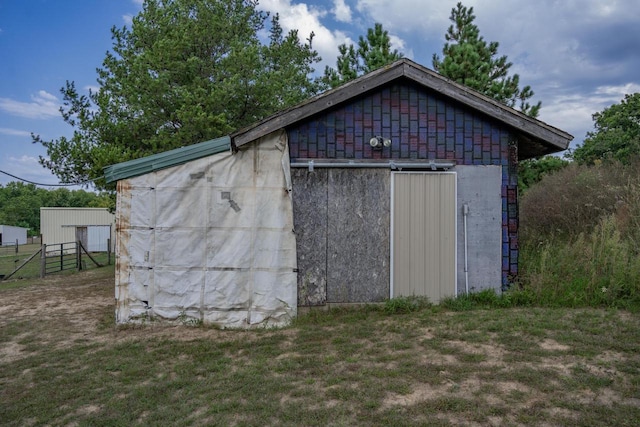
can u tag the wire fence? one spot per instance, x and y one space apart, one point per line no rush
9 249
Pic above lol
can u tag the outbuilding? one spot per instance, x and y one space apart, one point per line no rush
9 235
398 183
94 227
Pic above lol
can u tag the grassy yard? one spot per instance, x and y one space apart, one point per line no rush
62 361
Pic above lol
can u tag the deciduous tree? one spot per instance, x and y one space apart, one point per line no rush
616 135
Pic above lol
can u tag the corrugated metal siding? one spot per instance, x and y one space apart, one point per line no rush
10 234
424 234
58 225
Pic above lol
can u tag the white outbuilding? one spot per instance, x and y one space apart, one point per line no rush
94 227
10 234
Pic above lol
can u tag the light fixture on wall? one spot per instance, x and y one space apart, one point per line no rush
378 142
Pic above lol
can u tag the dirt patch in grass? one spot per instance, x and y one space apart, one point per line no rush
553 345
61 353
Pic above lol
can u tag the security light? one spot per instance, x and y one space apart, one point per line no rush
378 142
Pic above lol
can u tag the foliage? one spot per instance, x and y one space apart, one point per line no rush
600 268
533 170
373 52
185 72
488 299
574 199
468 59
20 203
580 237
401 305
616 135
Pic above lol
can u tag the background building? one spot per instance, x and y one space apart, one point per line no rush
92 226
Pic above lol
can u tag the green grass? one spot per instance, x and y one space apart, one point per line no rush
598 269
412 364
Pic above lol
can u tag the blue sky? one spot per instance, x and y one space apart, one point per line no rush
579 56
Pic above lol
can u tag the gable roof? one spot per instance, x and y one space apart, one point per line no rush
535 138
166 159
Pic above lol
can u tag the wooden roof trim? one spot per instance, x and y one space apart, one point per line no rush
486 105
421 75
316 104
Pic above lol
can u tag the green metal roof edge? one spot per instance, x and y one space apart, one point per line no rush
166 159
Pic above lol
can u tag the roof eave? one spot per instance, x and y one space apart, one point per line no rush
554 138
166 159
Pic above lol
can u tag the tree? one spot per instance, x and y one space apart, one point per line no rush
616 135
468 59
532 171
185 72
20 203
372 53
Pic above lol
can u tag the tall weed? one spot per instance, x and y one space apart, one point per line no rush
600 268
580 237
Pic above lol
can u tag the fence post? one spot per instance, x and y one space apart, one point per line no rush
61 256
43 260
78 256
16 246
108 251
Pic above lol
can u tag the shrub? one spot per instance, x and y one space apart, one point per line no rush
574 199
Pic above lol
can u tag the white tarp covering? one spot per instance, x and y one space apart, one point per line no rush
211 240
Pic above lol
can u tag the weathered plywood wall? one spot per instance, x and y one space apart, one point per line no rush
341 219
310 222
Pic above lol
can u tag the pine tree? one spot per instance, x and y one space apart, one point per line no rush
468 59
185 72
373 52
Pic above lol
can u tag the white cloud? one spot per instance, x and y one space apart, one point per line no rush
24 160
92 88
401 46
429 17
342 11
573 113
128 17
43 106
307 19
618 92
14 132
28 168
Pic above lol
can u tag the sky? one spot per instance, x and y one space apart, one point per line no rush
578 56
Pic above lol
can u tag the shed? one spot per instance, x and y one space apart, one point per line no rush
92 226
10 234
398 183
